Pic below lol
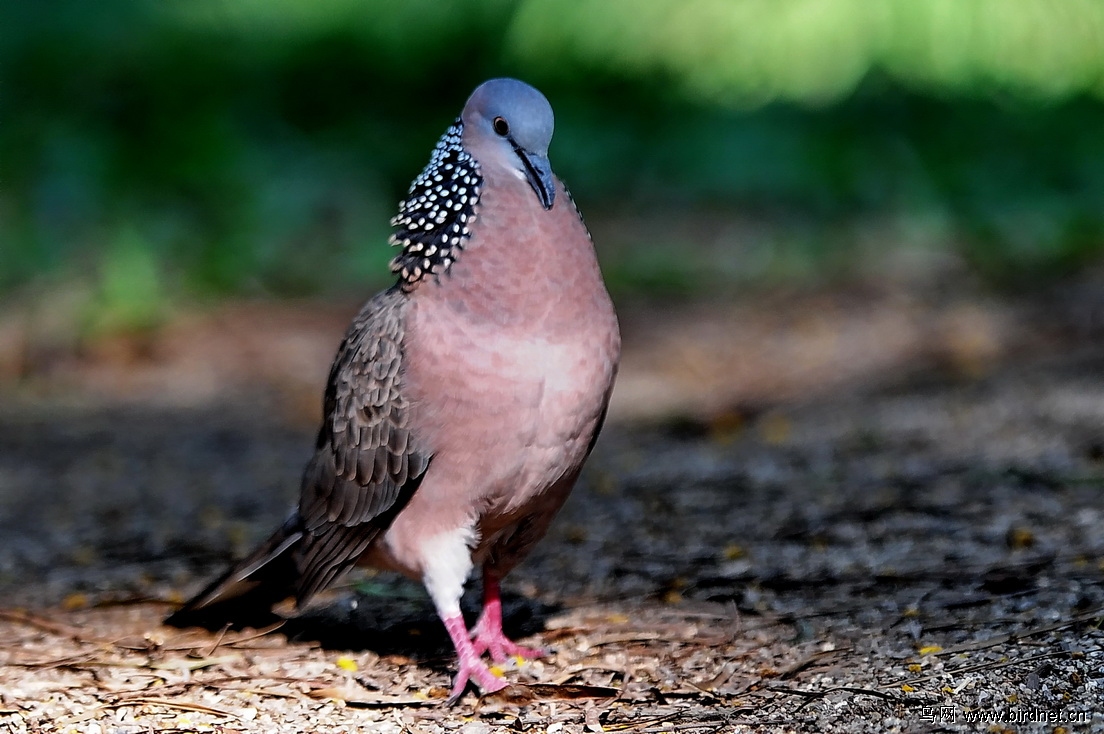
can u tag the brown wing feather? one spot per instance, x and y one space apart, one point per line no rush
366 465
367 461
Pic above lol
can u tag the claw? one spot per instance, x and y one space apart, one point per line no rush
487 636
470 666
476 671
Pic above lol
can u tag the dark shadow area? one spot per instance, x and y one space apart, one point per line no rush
397 618
387 615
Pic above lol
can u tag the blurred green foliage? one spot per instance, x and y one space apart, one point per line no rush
153 149
748 52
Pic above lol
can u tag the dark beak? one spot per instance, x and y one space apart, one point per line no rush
539 173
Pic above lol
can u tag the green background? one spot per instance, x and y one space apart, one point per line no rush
153 153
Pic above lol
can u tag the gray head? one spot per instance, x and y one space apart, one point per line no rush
510 122
505 125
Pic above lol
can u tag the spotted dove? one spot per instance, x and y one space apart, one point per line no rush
462 401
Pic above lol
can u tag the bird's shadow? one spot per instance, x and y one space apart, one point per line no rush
396 617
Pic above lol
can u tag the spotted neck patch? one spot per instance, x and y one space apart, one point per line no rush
434 219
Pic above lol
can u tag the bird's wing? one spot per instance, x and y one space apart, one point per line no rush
367 460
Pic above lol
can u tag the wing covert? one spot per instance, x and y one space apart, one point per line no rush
367 460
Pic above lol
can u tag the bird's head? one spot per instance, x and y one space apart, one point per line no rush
510 124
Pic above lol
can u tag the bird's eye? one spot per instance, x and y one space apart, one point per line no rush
501 126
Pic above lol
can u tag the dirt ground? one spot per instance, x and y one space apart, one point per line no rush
860 512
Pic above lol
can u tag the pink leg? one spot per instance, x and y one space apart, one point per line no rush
487 634
470 665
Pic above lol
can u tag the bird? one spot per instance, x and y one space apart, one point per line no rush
463 400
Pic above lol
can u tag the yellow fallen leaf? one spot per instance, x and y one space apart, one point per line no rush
775 429
930 649
74 602
733 551
333 694
726 425
1019 538
347 663
576 535
496 671
907 688
915 668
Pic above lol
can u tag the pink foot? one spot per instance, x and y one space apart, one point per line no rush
487 636
470 667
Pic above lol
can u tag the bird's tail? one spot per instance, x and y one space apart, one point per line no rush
244 595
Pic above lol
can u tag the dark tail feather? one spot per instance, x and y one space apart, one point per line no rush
244 595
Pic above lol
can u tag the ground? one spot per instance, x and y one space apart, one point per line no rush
880 521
